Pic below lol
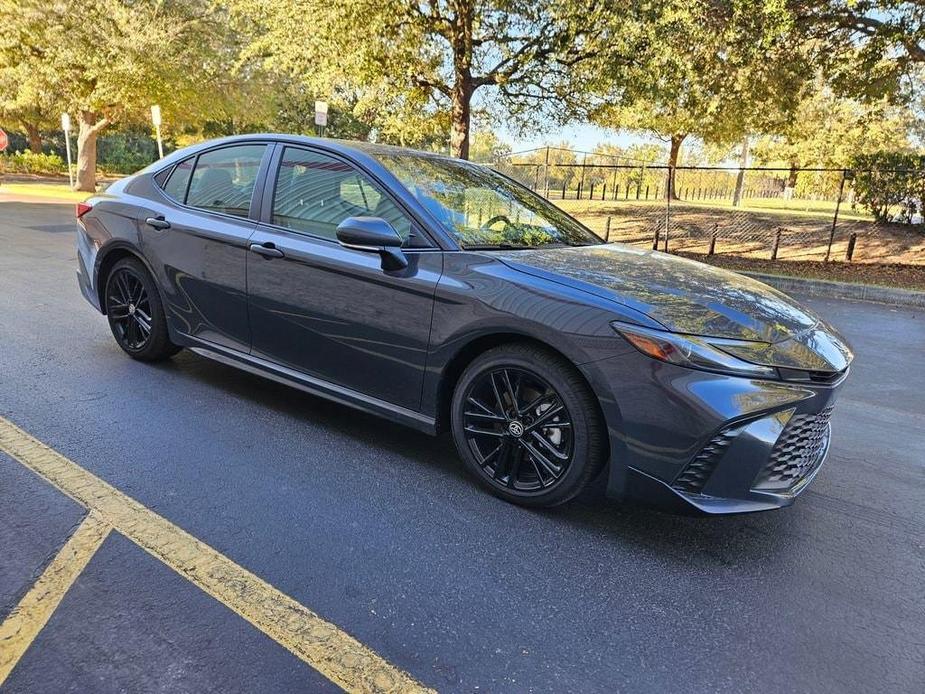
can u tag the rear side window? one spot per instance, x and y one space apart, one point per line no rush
223 179
314 193
179 179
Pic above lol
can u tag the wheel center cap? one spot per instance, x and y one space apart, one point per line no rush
515 428
131 309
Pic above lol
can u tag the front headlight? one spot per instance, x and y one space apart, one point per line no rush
692 351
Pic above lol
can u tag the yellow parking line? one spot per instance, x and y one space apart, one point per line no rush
329 650
19 629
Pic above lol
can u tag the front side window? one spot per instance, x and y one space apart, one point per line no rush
314 193
223 179
483 209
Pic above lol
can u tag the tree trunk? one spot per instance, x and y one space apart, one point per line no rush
673 154
463 84
740 178
791 181
90 125
461 117
34 137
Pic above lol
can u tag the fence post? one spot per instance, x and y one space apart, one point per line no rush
607 231
604 192
563 189
776 244
584 160
841 191
546 173
655 240
713 239
591 192
671 191
578 192
849 254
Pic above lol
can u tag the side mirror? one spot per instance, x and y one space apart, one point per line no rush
375 235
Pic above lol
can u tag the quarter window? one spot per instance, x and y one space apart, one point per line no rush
179 180
223 179
314 193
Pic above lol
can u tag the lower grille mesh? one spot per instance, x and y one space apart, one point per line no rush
695 475
797 452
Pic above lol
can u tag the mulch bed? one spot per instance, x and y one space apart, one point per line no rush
882 274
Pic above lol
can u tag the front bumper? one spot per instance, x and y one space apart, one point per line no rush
694 441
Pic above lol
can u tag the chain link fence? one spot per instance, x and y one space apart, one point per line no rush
767 213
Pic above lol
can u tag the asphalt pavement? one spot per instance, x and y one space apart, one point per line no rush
377 529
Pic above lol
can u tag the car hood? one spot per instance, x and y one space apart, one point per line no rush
685 296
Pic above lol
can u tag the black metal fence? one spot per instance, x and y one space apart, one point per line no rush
760 212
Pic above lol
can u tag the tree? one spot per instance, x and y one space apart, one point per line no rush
108 60
24 101
869 47
405 62
718 71
828 131
488 147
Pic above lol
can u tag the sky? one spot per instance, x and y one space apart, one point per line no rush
583 137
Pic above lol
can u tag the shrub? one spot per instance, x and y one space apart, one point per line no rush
891 185
30 163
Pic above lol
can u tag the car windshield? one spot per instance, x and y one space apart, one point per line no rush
481 208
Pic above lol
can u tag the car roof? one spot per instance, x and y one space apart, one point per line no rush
349 148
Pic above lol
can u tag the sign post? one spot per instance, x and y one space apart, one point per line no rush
321 116
66 127
156 119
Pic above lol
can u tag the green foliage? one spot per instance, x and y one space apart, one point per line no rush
27 162
409 70
826 131
717 70
891 185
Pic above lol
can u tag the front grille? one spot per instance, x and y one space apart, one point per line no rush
696 473
798 451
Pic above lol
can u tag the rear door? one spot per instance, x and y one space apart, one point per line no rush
329 311
199 245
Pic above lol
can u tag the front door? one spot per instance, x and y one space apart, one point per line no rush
329 311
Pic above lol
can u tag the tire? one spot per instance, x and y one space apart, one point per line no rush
542 384
133 302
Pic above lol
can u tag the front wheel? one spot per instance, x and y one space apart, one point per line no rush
527 425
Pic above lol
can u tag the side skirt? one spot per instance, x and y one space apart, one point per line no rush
310 384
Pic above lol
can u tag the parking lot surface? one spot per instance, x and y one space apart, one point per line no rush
377 530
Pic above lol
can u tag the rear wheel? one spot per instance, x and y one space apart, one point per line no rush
527 425
136 314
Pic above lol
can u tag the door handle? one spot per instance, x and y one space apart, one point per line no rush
157 222
267 250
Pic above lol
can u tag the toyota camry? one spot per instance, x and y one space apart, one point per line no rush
447 297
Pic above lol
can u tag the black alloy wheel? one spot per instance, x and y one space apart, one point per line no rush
129 309
136 315
518 429
526 424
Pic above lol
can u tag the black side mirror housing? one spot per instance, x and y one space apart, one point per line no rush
374 235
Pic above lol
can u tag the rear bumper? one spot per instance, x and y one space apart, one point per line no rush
86 262
697 442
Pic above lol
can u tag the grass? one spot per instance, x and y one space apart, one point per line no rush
60 191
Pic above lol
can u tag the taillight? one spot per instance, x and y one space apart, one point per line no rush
82 209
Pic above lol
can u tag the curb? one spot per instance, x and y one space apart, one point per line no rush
843 290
